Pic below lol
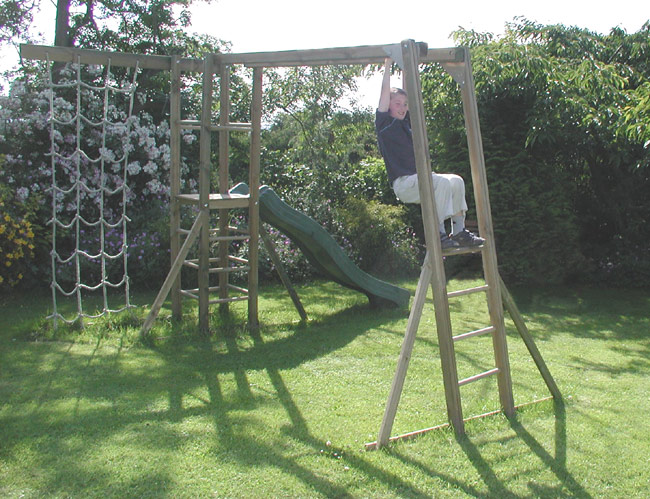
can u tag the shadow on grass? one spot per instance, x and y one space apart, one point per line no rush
121 394
273 357
567 485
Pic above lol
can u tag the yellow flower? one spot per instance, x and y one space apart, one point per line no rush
8 263
7 218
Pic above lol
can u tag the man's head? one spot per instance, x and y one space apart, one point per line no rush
398 106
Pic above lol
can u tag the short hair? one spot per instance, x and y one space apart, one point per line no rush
398 91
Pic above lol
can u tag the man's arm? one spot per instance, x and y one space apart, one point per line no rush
384 98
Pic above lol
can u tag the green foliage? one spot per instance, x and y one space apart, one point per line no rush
382 240
16 241
564 129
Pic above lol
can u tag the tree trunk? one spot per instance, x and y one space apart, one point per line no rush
62 33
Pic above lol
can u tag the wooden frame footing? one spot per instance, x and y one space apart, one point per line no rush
413 434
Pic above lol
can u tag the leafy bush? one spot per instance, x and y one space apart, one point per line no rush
16 240
382 241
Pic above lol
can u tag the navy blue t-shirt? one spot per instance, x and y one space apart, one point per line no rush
395 144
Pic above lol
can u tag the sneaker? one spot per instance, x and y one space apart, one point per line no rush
467 239
446 242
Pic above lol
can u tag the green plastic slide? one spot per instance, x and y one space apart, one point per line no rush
322 251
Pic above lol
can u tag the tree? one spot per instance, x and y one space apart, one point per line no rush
564 124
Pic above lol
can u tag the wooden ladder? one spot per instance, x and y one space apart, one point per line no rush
206 202
433 273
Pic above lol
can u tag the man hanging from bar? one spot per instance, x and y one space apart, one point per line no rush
393 127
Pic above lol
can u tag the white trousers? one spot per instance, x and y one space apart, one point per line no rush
448 188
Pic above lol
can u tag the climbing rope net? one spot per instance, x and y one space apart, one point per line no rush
90 111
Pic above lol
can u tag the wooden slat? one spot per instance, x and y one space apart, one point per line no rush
238 288
225 270
228 300
365 54
476 377
467 291
464 250
229 238
233 127
103 57
217 201
413 434
477 332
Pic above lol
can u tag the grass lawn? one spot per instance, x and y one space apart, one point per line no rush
286 412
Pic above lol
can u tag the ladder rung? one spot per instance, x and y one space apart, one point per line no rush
237 288
189 124
196 125
237 259
217 201
229 238
228 300
234 127
194 262
463 250
467 291
478 376
188 292
193 293
230 228
478 332
224 270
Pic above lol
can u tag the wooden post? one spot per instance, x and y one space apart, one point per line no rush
254 200
204 194
175 180
224 182
484 216
432 237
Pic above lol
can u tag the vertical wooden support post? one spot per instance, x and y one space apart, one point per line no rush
204 194
224 170
254 201
175 179
484 216
431 222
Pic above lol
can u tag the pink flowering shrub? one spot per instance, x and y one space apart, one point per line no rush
102 160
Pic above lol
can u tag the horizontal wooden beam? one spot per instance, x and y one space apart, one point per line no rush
103 57
365 54
368 54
